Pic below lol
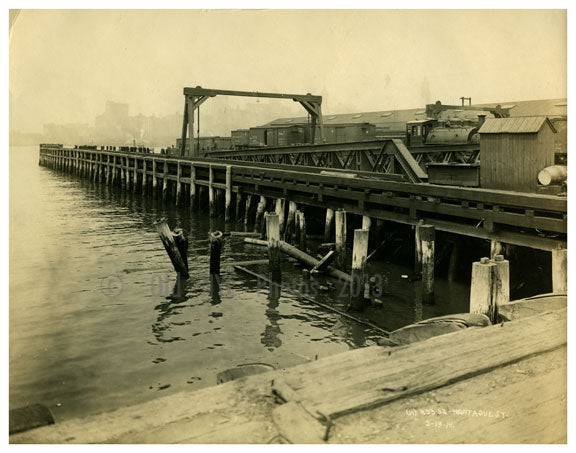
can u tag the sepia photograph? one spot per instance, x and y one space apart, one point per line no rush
245 225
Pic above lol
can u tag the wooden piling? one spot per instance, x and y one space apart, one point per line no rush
296 234
154 179
211 193
135 177
273 233
122 173
501 284
247 208
167 238
260 213
215 251
340 239
107 176
279 209
129 176
366 222
95 169
144 177
228 196
220 200
165 182
328 225
496 248
114 170
263 226
427 238
289 230
417 249
359 255
193 191
560 271
455 258
482 288
182 243
302 229
178 184
238 210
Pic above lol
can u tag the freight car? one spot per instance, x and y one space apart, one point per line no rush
299 134
240 138
282 135
347 132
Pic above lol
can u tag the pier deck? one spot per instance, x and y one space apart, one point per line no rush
524 219
500 384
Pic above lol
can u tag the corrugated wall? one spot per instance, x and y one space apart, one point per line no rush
512 161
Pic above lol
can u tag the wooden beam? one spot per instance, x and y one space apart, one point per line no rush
184 126
198 91
190 126
324 262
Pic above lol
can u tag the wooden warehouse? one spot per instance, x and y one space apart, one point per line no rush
514 150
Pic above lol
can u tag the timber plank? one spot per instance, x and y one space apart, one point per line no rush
516 396
297 425
430 364
536 410
324 262
141 418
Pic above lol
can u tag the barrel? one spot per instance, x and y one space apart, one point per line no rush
556 174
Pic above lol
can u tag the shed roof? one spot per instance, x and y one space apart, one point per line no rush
395 120
518 125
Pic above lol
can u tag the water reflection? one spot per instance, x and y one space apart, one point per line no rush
271 335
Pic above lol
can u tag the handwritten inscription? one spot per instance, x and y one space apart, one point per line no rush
450 423
462 412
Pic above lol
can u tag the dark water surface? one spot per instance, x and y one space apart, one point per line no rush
97 320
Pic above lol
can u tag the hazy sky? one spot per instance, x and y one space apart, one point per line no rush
65 64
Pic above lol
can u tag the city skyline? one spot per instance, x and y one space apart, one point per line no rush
397 59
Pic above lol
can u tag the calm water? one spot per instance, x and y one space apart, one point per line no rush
98 320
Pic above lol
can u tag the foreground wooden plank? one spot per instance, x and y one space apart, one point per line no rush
428 365
524 402
298 426
132 424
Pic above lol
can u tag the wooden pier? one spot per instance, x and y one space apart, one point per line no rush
523 219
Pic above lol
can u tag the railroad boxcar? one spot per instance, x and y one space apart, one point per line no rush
257 137
347 132
240 138
295 134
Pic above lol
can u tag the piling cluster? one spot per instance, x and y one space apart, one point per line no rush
279 220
